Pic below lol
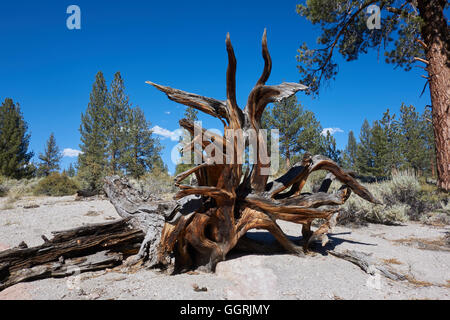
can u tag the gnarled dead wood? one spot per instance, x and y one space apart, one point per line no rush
205 221
232 202
87 248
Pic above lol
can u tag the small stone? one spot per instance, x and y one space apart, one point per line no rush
198 289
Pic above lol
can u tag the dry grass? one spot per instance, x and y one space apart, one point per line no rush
419 283
392 261
12 198
10 223
425 244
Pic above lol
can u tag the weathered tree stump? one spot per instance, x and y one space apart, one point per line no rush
206 221
230 202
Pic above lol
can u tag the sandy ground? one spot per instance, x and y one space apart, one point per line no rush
415 250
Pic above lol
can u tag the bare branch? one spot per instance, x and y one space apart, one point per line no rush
235 114
421 60
210 106
422 44
267 61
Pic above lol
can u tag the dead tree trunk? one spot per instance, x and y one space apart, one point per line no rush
233 202
88 248
206 221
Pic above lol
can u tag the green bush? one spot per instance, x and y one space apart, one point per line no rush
56 185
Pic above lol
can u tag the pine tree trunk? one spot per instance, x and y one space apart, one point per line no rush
435 36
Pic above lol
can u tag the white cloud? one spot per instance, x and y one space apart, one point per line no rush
331 131
173 135
167 112
71 153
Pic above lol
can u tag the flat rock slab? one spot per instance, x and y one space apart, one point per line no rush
250 278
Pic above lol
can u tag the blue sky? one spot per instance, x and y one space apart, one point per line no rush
50 69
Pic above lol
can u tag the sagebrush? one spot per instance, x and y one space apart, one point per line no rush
57 185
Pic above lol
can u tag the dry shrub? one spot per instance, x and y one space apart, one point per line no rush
17 188
403 197
156 183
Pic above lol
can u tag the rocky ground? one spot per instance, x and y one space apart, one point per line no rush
421 253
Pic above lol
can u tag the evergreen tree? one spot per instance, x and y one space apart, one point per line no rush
50 159
329 149
390 125
118 109
413 143
190 114
143 152
379 151
92 161
407 31
14 142
299 131
349 154
364 157
71 171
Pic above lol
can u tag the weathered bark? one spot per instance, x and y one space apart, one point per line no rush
205 221
437 51
149 214
366 263
88 248
232 202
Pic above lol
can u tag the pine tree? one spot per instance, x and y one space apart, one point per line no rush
379 151
143 152
413 143
71 171
349 154
390 125
408 32
329 149
50 159
92 161
192 115
14 142
364 156
118 109
299 131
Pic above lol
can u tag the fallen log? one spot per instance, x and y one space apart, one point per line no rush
366 263
87 248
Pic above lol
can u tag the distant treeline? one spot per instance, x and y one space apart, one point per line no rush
115 139
393 143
